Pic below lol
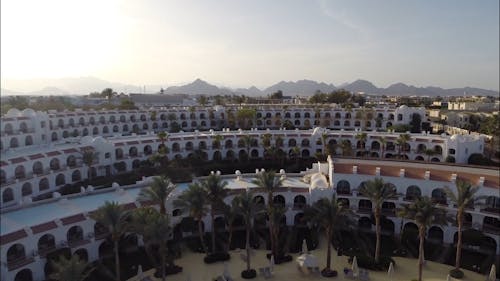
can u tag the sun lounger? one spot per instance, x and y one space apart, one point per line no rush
266 272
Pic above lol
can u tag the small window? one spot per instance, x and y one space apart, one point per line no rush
466 151
107 155
451 151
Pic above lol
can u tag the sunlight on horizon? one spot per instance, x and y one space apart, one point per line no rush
257 43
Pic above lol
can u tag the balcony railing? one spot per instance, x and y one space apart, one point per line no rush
19 262
77 242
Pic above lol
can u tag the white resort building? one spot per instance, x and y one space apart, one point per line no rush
41 152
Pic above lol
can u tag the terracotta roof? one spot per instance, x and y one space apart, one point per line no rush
147 141
389 171
53 153
36 156
132 142
73 219
343 168
71 150
17 160
8 119
3 163
119 144
414 173
13 236
299 189
439 175
366 170
43 227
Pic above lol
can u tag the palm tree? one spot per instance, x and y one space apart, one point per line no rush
383 144
429 153
425 213
328 213
194 201
465 198
346 148
115 217
244 205
72 269
216 142
378 192
216 192
362 137
248 140
324 138
162 136
266 140
401 142
157 192
270 182
154 228
89 156
296 154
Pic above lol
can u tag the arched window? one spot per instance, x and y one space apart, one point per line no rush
26 189
8 129
71 161
28 140
76 176
343 187
74 234
299 202
20 172
60 180
14 143
132 151
46 243
148 150
54 164
15 253
412 192
118 153
43 184
439 196
7 195
279 200
305 143
3 177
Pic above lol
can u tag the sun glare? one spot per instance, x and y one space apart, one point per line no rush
57 38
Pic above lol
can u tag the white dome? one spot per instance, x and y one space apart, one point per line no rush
86 139
318 180
403 107
29 112
13 112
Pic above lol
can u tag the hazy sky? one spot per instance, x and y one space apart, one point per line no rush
241 43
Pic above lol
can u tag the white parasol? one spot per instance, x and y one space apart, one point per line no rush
304 247
448 278
354 267
493 273
390 272
140 274
271 263
226 273
306 260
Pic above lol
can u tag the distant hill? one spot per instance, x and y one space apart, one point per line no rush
363 86
198 87
72 85
301 87
86 85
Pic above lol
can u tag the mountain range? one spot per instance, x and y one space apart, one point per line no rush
85 85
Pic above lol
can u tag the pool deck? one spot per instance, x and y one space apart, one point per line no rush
405 270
